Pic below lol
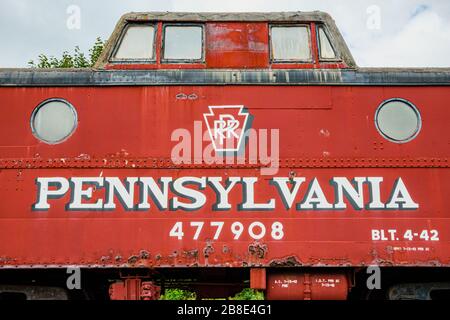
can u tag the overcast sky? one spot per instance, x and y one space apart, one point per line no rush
403 33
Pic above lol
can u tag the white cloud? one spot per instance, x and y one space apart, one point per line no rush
423 42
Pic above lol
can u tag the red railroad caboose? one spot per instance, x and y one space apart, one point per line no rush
205 150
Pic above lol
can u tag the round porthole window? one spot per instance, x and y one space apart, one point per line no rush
398 120
53 121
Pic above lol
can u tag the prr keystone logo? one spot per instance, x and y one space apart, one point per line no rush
226 127
228 139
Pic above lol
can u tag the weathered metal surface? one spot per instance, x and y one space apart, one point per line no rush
32 292
134 289
126 132
232 45
258 278
307 286
325 121
166 163
87 77
420 291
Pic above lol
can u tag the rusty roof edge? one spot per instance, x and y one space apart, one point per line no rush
398 69
339 41
360 70
228 16
111 43
90 77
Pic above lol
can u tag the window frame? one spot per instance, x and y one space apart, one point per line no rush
152 60
415 110
330 40
35 111
183 61
291 25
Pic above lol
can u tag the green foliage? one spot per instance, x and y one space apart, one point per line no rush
178 294
96 51
76 60
248 294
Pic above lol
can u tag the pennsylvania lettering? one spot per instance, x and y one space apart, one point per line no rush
218 194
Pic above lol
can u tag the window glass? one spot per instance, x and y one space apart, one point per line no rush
183 43
53 121
137 43
326 49
398 120
290 43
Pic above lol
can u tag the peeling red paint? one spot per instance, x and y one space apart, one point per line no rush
125 131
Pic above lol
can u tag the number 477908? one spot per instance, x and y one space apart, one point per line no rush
256 230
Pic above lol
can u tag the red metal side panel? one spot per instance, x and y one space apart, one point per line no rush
237 45
119 237
324 132
314 122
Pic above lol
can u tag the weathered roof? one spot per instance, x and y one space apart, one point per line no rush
228 16
314 16
359 77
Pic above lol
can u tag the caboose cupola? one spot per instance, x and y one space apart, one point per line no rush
222 41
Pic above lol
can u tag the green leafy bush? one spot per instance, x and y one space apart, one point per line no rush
76 60
248 294
178 294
